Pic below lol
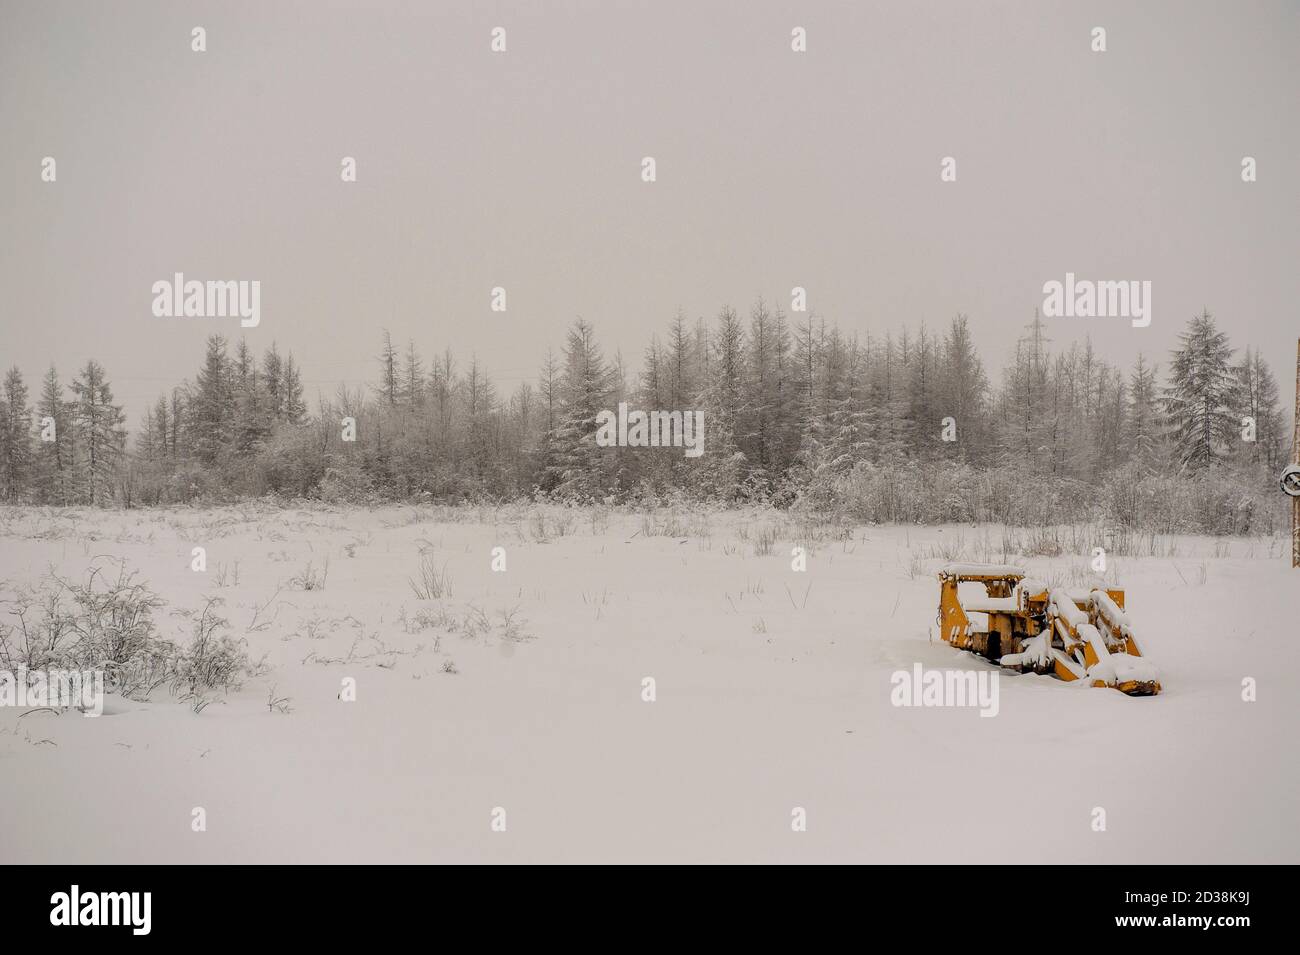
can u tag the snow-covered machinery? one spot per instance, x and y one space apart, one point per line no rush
1022 624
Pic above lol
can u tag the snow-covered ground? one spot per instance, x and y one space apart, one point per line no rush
523 690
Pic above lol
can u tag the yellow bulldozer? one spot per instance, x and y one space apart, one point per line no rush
1023 624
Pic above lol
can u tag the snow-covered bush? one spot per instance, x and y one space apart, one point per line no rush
106 623
213 660
1218 501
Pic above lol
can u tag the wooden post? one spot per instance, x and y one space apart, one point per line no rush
1295 459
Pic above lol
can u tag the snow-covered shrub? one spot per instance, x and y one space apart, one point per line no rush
213 660
102 623
311 577
430 582
346 485
1217 502
106 623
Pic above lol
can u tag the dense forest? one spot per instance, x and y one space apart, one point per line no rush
905 427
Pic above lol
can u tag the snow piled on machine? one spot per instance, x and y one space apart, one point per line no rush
981 570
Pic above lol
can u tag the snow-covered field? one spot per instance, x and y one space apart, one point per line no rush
523 690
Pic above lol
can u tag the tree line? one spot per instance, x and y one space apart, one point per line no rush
793 412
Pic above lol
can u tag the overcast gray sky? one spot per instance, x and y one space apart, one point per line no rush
522 169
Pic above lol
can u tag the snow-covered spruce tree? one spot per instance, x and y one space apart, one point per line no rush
152 462
99 432
1202 393
295 408
808 346
211 404
55 459
253 418
482 428
549 393
836 429
146 439
162 424
719 472
808 355
626 467
653 392
440 414
683 385
823 387
922 396
411 384
1108 425
577 468
379 424
653 386
1258 399
1142 414
680 364
767 425
1025 443
885 439
1086 401
176 445
273 376
1088 452
549 405
15 437
962 393
388 382
517 440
